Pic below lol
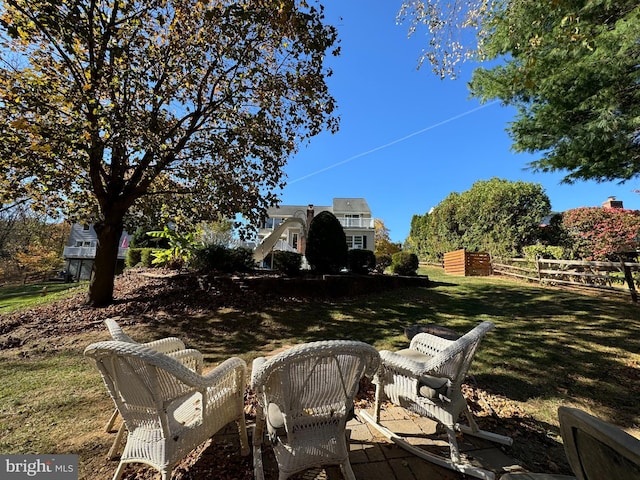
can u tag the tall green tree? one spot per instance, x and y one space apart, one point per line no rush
103 104
327 250
496 215
568 67
571 70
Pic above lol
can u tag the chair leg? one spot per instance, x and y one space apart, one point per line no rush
473 430
428 456
453 444
112 420
377 404
347 471
119 471
258 433
244 440
113 451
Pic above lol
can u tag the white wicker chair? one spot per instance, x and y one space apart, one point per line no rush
168 409
426 379
595 449
306 393
171 346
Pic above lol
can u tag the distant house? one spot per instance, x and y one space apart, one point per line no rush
80 251
285 227
611 202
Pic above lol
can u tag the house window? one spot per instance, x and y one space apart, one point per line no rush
85 227
356 242
273 223
294 240
78 244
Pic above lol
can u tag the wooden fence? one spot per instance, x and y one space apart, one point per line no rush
461 262
613 276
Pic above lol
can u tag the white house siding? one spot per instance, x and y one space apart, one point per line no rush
80 251
354 215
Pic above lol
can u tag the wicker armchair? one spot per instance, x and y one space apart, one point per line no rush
168 409
172 346
426 379
305 398
595 449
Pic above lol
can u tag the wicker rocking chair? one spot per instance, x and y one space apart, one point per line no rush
426 379
305 398
168 409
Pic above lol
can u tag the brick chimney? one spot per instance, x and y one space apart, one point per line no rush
611 202
310 214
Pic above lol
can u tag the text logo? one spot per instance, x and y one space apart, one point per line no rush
44 467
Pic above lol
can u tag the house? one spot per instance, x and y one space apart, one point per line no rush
81 250
285 227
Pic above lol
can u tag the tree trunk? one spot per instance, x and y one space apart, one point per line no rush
104 267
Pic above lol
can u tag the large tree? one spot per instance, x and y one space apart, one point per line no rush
569 68
30 243
382 241
103 103
572 73
498 216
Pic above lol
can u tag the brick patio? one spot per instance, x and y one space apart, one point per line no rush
374 457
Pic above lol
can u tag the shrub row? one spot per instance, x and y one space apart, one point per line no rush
139 257
223 259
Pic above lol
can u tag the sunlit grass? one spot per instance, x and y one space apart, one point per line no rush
16 297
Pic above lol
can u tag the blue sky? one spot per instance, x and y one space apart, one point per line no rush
407 139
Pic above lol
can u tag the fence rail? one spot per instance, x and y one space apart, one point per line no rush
612 276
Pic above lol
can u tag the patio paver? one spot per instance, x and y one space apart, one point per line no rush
374 457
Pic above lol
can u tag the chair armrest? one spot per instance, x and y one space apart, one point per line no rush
166 345
409 367
256 370
190 358
231 366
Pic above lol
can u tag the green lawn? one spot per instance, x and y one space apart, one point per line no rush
15 297
550 347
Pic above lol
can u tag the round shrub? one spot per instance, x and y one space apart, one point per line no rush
146 257
140 239
533 252
361 261
327 248
218 257
404 263
288 263
133 258
242 259
383 261
212 257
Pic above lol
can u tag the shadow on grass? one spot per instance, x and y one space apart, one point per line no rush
548 345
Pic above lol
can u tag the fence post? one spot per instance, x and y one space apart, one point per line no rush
629 278
538 269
